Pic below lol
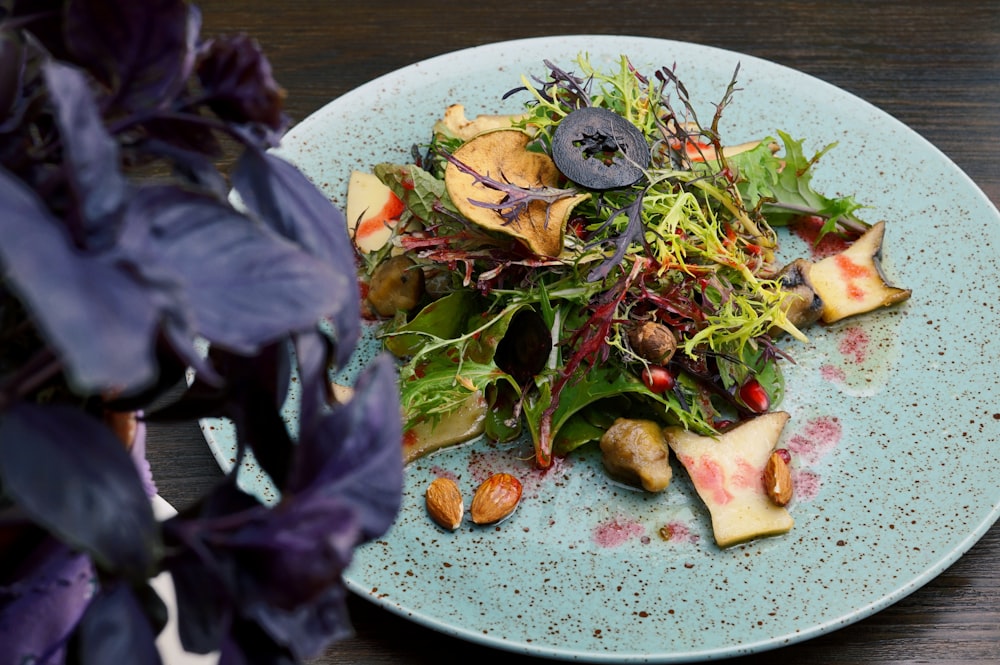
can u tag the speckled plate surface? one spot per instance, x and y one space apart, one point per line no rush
895 416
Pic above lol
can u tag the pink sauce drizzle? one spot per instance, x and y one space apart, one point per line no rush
854 345
819 436
747 476
441 472
679 532
708 477
832 373
616 531
807 484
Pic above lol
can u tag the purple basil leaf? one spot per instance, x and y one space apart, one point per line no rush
244 285
73 476
312 351
282 196
237 81
115 629
142 51
12 60
203 606
353 452
40 608
307 630
288 556
46 23
192 164
94 310
255 403
92 156
248 644
185 131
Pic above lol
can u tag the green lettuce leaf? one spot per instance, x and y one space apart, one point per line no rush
780 186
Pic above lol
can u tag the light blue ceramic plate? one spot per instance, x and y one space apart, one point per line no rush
895 416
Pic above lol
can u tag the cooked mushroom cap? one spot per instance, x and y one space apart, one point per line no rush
636 452
396 285
653 341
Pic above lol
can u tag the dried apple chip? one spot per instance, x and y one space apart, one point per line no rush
502 156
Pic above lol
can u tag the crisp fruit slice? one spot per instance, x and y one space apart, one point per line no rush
373 211
851 282
503 155
455 124
727 470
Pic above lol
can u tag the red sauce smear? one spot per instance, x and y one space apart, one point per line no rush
808 228
852 272
389 213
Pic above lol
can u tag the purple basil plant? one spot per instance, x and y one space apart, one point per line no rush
120 254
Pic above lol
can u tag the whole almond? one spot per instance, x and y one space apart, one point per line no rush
777 478
495 498
444 503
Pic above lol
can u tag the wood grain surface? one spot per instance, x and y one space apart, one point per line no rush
933 65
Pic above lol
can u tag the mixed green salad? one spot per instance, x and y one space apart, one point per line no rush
603 253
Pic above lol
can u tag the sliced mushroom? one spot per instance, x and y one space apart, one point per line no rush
802 305
636 452
599 149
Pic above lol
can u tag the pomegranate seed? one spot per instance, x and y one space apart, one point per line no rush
753 395
657 378
784 455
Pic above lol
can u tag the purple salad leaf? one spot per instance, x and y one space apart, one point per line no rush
94 310
92 156
43 604
282 196
116 629
72 475
202 579
143 52
238 84
244 285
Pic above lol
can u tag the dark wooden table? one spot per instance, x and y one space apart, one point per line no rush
934 65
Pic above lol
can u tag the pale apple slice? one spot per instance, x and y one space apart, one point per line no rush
372 210
727 472
852 282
